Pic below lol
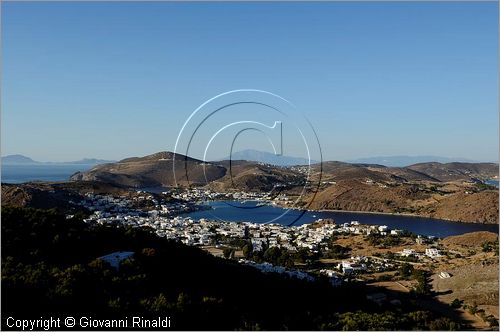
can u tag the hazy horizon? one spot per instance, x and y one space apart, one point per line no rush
114 80
357 159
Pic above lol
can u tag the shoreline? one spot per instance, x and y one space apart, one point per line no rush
270 203
390 214
375 213
408 215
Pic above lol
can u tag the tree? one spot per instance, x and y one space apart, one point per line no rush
278 256
423 287
444 324
228 252
473 309
157 304
492 321
456 303
420 318
405 270
183 301
248 250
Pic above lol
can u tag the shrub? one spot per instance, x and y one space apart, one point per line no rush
456 303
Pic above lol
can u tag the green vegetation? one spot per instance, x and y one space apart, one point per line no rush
278 256
247 250
336 251
385 277
490 319
410 258
490 247
405 270
228 252
384 241
421 320
483 186
281 256
474 310
423 287
456 303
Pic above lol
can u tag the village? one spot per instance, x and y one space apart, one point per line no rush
166 220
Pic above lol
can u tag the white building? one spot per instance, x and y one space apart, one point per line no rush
407 252
432 252
383 228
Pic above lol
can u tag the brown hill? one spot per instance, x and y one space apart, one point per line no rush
59 195
157 170
436 200
355 195
475 239
154 170
251 176
481 207
434 172
457 171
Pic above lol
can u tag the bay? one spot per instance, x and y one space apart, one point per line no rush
235 211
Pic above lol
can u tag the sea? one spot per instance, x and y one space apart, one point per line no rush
492 182
40 172
251 211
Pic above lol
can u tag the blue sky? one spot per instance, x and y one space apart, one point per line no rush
112 80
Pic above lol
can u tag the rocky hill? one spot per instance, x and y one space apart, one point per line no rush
154 170
474 239
58 195
336 171
441 201
457 171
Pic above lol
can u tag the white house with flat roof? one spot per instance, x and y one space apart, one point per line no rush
432 252
114 259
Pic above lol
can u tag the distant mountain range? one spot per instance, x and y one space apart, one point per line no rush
18 159
390 161
402 161
269 158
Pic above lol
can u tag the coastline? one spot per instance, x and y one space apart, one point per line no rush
409 215
418 224
390 214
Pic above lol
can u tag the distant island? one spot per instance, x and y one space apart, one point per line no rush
403 161
389 161
17 159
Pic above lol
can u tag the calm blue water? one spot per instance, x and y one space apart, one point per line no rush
492 182
237 212
43 172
